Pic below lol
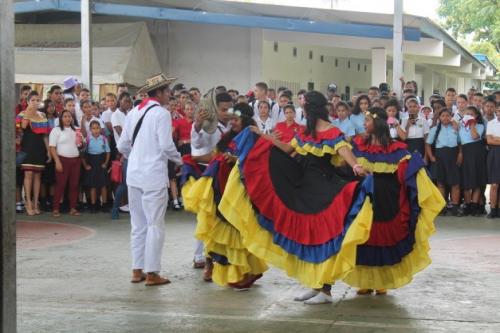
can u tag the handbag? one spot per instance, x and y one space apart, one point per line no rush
20 157
116 172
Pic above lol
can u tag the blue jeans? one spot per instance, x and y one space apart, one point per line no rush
122 187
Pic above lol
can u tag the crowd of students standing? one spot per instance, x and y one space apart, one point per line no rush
66 143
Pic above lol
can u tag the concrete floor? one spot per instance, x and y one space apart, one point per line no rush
83 286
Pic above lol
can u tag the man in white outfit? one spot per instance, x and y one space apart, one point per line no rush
146 141
202 147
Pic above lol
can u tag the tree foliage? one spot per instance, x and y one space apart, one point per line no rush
478 17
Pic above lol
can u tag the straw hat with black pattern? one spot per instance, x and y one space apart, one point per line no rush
209 104
157 81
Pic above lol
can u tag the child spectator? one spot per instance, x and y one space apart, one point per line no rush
474 162
95 163
287 129
263 119
23 102
448 158
342 122
394 120
358 113
416 128
427 114
182 129
493 164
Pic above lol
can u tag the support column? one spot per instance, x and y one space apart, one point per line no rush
409 70
468 84
379 66
427 84
461 85
397 57
256 54
86 33
8 172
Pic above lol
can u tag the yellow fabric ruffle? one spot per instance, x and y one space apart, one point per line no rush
308 148
220 237
190 202
237 208
390 277
380 167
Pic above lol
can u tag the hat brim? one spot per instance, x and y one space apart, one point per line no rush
146 88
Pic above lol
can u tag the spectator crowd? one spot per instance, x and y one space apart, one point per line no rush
67 161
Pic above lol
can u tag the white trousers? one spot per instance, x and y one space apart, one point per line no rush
147 215
198 252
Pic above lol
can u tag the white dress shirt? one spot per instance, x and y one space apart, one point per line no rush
266 126
300 118
203 143
153 147
117 119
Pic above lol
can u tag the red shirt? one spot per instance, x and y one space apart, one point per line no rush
182 129
21 106
287 132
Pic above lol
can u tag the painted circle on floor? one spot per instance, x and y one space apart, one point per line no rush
40 234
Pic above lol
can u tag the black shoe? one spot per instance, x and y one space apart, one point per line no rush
482 210
468 209
105 208
456 211
443 212
93 208
177 207
493 213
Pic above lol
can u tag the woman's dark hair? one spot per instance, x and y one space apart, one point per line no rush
357 110
394 103
61 121
477 113
86 101
46 104
342 104
315 108
438 101
94 122
289 106
265 102
246 120
123 95
380 127
31 94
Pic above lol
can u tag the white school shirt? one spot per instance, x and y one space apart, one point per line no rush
117 119
86 124
277 114
203 143
417 131
493 127
64 141
106 116
299 116
265 126
148 159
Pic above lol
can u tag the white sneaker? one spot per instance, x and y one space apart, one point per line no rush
125 209
304 297
320 298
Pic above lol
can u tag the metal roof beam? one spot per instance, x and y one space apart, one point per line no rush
247 21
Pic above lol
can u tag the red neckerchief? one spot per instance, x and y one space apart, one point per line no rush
147 100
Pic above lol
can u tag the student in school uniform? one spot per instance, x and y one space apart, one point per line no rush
263 118
357 116
287 129
473 169
493 163
448 157
394 120
343 122
95 164
416 128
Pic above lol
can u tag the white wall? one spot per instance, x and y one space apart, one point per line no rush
208 55
298 71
